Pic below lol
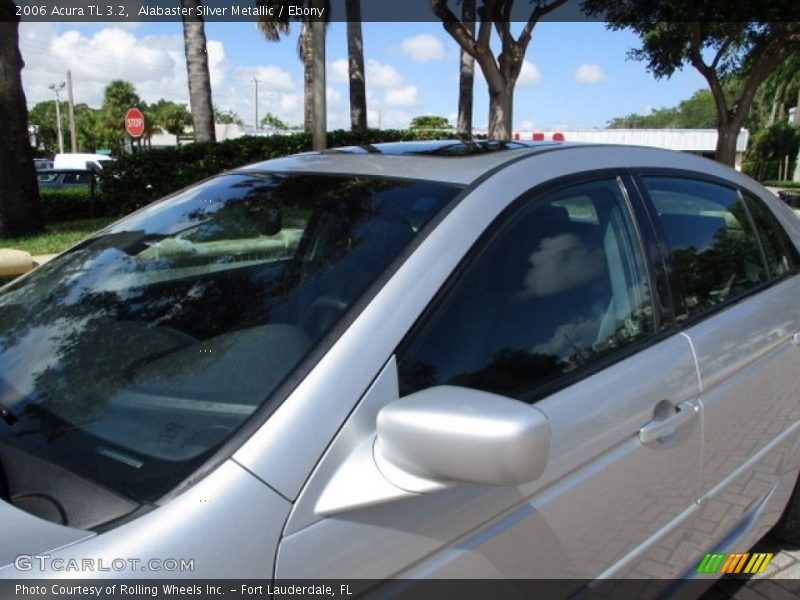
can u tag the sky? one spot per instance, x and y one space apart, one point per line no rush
576 74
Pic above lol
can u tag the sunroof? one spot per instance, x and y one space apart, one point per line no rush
433 148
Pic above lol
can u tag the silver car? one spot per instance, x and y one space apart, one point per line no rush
422 360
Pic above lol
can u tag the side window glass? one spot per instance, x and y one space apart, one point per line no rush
560 284
781 253
707 229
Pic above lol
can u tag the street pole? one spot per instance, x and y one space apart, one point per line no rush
73 139
255 104
57 89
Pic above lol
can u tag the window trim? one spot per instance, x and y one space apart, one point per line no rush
535 194
638 174
748 196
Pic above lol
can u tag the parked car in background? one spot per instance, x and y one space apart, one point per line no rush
61 179
434 359
81 161
42 163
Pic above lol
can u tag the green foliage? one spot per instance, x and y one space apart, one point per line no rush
135 180
698 112
270 121
768 149
69 205
118 97
430 122
227 117
170 117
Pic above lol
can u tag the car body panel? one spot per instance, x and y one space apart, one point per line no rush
750 372
606 505
542 529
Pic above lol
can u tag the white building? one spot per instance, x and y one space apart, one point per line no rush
696 141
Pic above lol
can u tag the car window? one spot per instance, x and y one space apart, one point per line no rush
559 285
781 253
188 315
46 177
76 178
708 231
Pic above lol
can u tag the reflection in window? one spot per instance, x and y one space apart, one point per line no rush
707 228
560 285
781 254
135 355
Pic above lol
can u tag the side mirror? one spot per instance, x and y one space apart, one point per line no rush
451 434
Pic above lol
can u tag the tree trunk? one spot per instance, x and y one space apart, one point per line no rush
20 204
355 61
307 50
727 135
796 174
194 38
320 115
467 73
501 103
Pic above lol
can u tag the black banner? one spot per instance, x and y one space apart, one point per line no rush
334 10
340 589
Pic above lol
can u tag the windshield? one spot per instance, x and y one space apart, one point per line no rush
134 356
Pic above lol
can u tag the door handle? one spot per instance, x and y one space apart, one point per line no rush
654 430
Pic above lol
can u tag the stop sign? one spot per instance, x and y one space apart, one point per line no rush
134 122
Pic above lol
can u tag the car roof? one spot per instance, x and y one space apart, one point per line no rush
64 170
447 161
460 162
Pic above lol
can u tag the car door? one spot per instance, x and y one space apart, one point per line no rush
553 307
736 292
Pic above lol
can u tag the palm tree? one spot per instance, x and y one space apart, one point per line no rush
311 50
355 62
20 204
466 77
194 38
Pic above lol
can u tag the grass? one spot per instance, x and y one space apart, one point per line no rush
783 184
57 238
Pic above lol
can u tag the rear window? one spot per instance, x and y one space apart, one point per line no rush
133 357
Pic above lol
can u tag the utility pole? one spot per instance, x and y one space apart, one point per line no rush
73 139
255 104
57 89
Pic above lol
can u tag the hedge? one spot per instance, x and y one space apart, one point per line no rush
71 205
135 180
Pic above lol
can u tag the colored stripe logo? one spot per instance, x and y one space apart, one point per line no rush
744 563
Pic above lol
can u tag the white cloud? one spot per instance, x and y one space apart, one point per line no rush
589 74
333 96
383 75
338 71
529 75
405 96
388 118
270 78
155 64
423 48
527 124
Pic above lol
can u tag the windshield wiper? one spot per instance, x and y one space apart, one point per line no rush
9 417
